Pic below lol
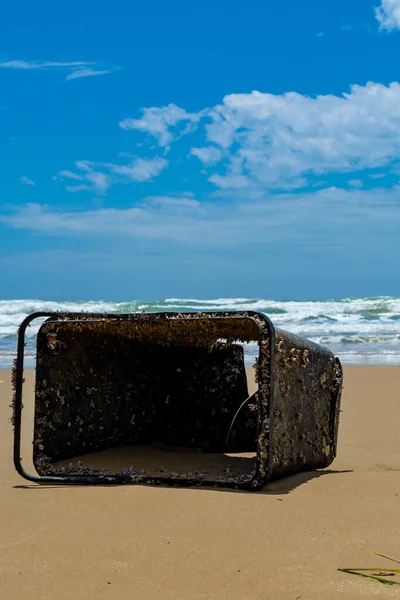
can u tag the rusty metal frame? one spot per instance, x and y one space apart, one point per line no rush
265 401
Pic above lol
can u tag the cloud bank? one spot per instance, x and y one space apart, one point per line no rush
26 181
260 141
304 217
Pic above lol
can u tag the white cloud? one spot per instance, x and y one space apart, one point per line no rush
140 169
256 142
154 218
77 188
231 181
99 176
388 14
100 181
45 64
77 68
158 122
263 141
67 174
282 137
95 181
77 73
85 165
260 142
305 215
26 181
209 155
356 183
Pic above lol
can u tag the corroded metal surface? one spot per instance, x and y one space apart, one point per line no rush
307 381
107 380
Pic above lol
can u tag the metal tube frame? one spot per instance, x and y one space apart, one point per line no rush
265 402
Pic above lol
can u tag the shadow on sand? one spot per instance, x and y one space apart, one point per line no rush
280 487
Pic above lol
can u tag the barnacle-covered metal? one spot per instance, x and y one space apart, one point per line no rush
106 381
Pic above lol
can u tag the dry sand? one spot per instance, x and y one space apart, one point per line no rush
140 543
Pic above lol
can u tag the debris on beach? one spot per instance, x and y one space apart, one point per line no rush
376 574
115 381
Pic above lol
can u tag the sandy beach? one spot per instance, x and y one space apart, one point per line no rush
286 542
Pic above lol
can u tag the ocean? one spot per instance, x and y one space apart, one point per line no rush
358 330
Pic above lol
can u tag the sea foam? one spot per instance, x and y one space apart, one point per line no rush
358 330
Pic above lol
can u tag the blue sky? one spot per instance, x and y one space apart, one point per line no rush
212 149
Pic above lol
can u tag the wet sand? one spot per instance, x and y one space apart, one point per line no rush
133 542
